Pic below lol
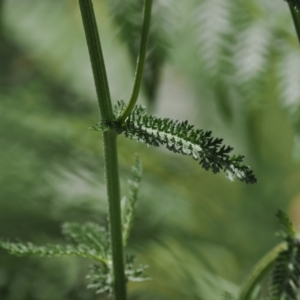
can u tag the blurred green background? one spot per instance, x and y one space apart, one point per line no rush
229 66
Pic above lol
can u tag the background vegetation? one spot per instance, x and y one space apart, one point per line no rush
228 66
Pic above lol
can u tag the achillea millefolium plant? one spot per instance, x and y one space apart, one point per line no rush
112 269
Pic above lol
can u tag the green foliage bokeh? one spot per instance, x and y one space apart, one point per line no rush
229 66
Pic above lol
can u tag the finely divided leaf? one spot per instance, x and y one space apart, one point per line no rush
129 202
89 234
285 277
101 279
135 274
89 241
285 282
29 249
287 225
183 138
101 275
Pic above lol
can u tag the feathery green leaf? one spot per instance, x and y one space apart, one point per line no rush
89 241
129 202
288 228
285 279
285 282
49 250
90 234
101 275
135 274
181 137
101 279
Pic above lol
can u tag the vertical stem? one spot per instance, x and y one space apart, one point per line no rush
113 190
296 19
110 146
140 61
97 60
1 19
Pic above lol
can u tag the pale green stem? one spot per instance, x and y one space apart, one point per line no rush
296 19
259 271
115 221
97 61
140 62
1 17
110 147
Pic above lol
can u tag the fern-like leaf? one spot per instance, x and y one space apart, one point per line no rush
289 77
49 250
181 137
101 279
129 202
212 33
135 274
101 275
91 234
285 282
285 279
251 54
288 228
89 241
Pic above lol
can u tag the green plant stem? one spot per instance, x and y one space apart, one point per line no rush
97 60
110 145
113 190
259 271
1 18
140 62
296 19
